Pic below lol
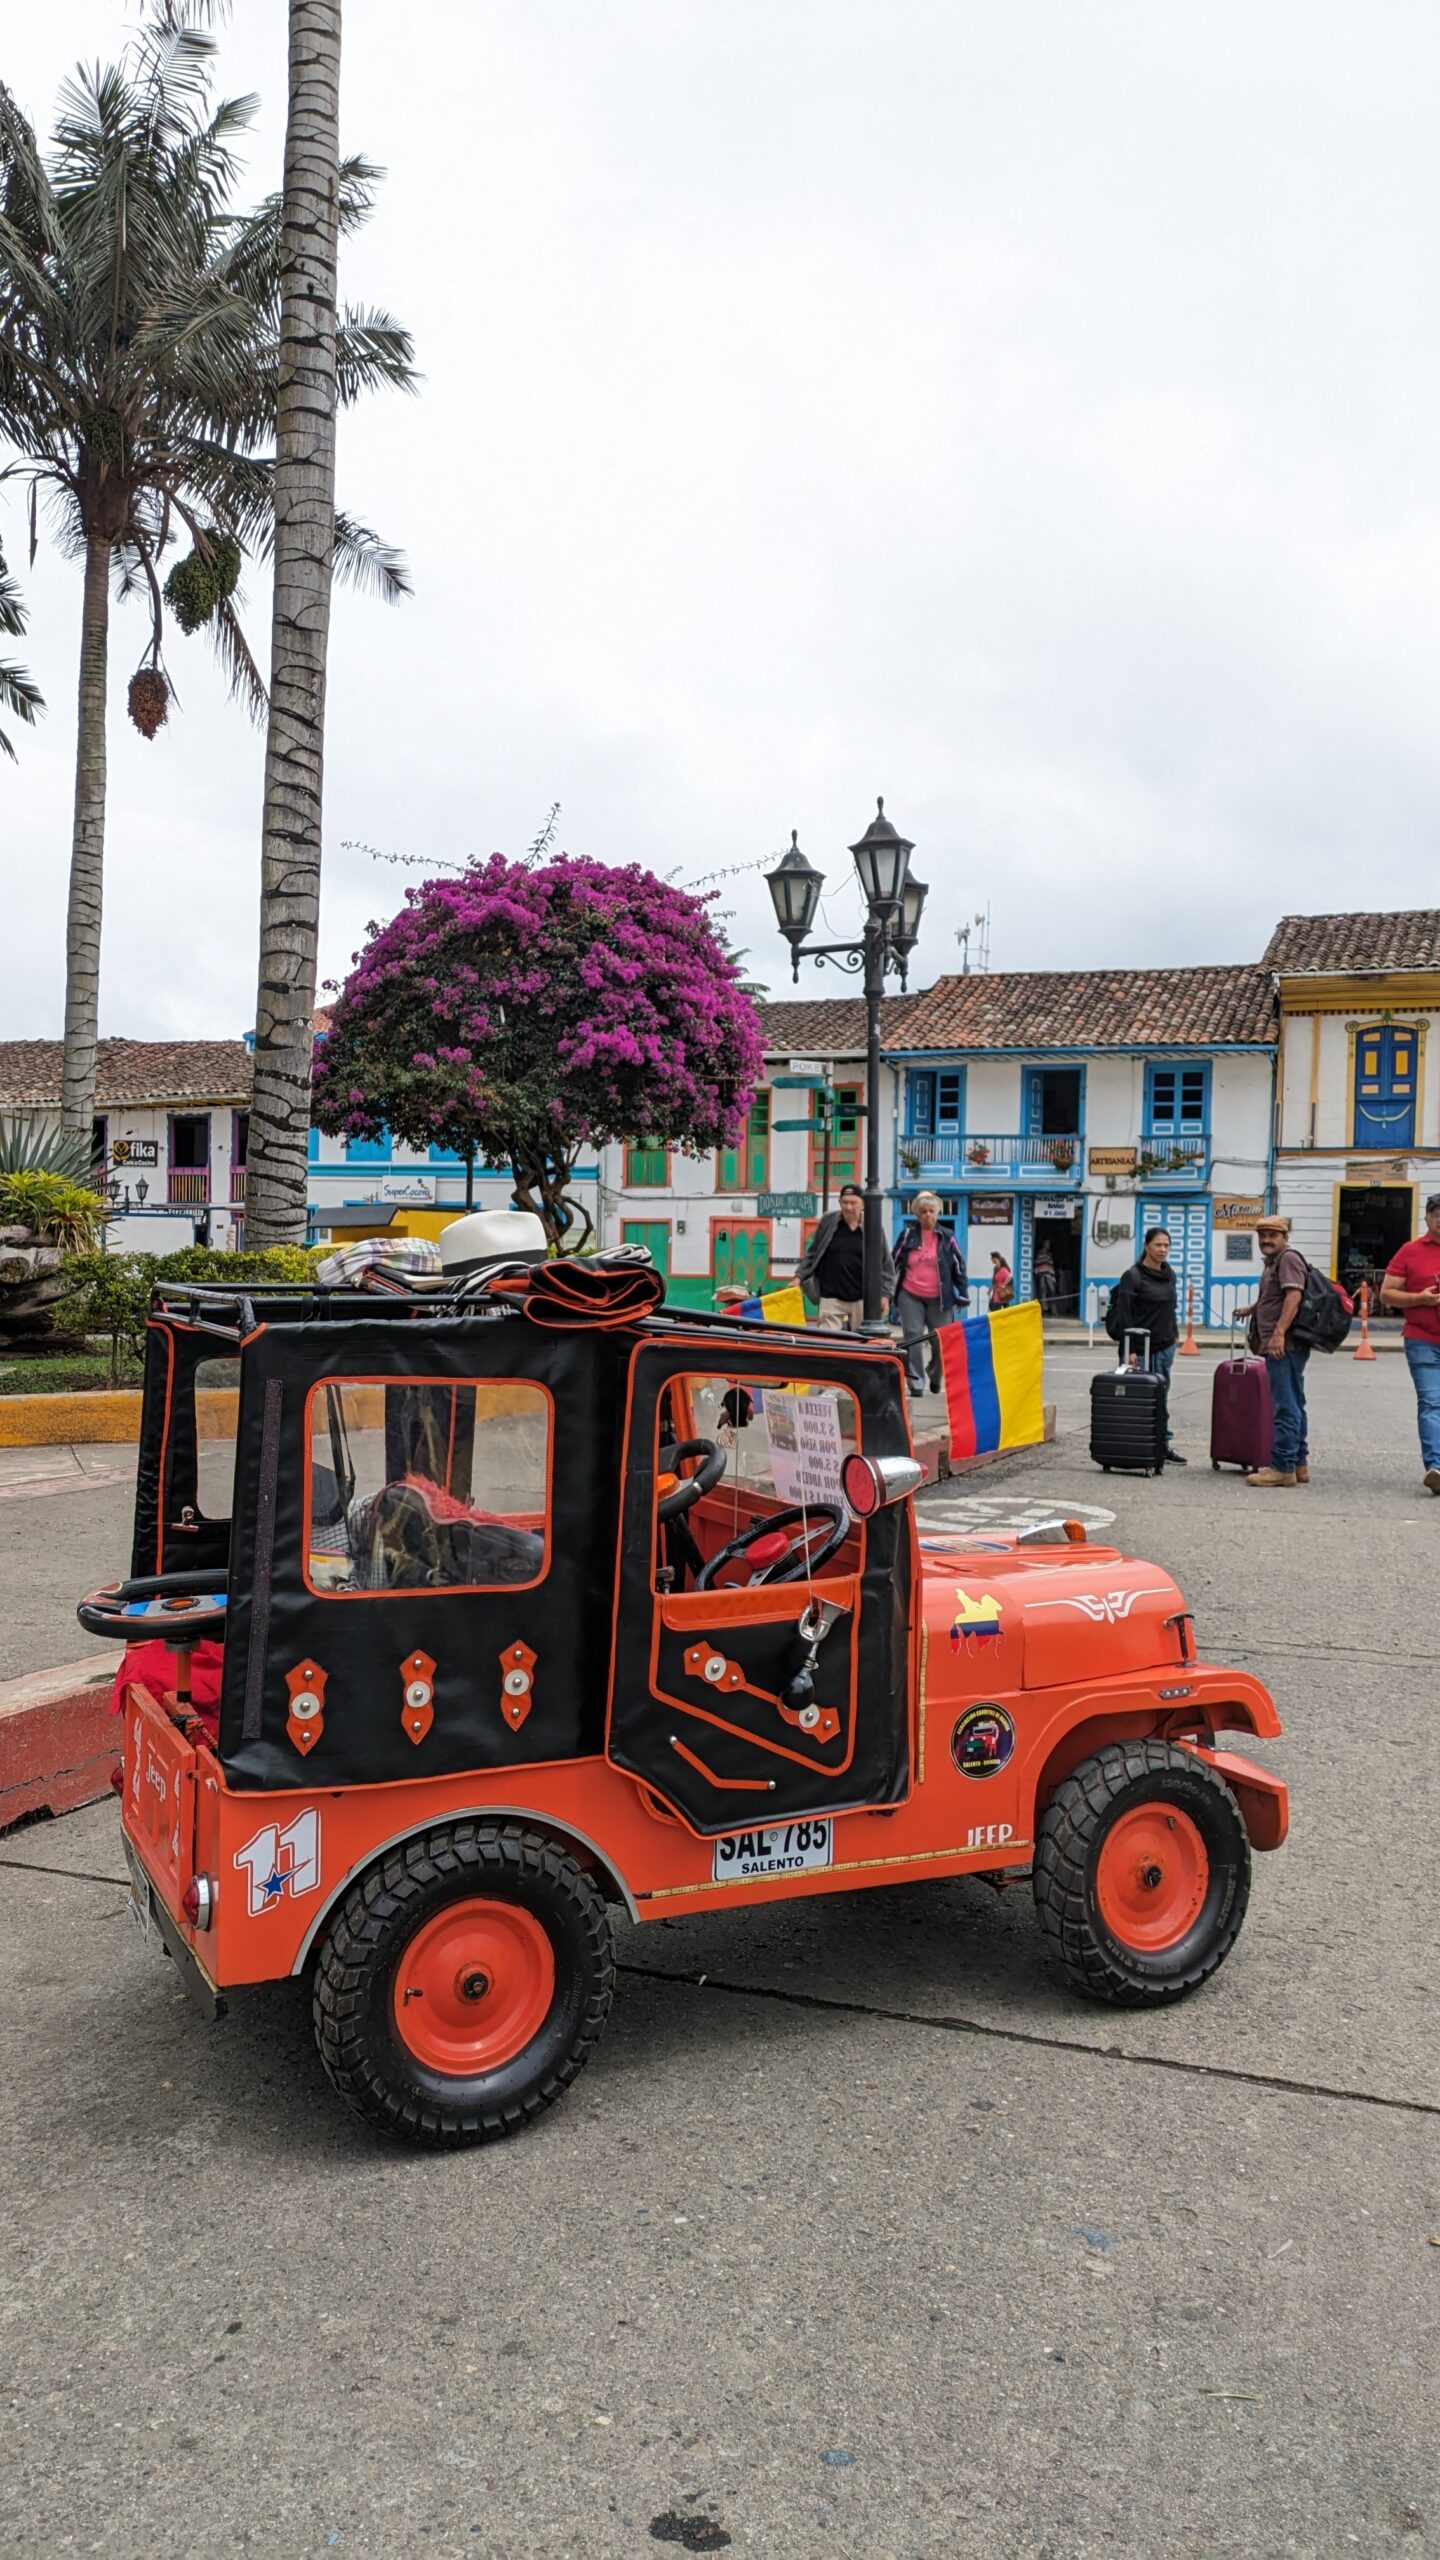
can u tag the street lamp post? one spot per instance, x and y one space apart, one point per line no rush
894 904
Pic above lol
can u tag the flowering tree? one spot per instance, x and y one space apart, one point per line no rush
530 1011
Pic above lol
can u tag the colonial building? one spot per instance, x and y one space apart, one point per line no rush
737 1216
1070 1110
170 1133
1067 1110
1357 1083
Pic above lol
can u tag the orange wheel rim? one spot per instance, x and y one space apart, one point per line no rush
473 1986
1152 1877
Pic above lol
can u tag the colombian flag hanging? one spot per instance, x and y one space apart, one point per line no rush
992 1367
777 1306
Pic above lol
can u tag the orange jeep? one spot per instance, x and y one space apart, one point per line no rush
490 1606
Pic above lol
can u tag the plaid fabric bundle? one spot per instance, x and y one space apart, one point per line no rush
416 1256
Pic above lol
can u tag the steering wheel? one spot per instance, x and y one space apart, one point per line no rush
781 1558
176 1608
688 1489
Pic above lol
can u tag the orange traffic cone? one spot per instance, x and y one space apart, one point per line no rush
1364 1348
1190 1348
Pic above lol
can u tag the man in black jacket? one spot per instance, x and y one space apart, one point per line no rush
832 1268
1144 1301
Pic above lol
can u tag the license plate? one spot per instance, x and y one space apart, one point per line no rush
139 1894
786 1850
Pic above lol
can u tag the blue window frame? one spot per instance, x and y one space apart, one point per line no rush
937 1102
1177 1100
368 1150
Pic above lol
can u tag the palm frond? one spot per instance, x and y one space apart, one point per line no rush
371 351
364 561
247 685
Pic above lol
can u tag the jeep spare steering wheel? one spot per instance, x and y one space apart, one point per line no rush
178 1608
781 1557
679 1492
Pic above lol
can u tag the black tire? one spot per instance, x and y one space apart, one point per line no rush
356 2028
1080 1816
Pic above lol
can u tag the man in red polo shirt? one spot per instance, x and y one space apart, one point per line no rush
1413 1282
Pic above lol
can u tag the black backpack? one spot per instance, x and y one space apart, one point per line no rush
1325 1313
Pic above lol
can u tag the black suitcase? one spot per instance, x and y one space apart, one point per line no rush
1127 1417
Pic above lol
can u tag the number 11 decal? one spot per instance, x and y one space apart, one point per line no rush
278 1862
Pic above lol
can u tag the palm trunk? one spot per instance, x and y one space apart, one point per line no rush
87 850
304 554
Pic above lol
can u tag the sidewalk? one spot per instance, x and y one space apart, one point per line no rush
68 1468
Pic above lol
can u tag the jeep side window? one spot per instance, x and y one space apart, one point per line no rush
423 1484
217 1403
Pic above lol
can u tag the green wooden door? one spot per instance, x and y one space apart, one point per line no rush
740 1256
654 1233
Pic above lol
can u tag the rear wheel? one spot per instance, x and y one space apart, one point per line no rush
463 1983
1142 1873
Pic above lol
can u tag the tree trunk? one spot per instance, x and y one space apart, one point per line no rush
304 555
541 1187
87 851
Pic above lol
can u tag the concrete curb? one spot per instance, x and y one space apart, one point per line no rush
46 1422
58 1739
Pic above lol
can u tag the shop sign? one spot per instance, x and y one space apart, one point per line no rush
135 1151
991 1209
1378 1169
1065 1207
786 1204
1234 1211
1113 1160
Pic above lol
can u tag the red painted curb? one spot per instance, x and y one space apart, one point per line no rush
58 1739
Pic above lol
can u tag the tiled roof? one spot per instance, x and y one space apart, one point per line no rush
829 1026
135 1071
1311 943
1093 1008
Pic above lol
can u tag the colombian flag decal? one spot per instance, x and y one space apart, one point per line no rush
993 1367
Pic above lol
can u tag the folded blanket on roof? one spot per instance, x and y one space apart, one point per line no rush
417 1257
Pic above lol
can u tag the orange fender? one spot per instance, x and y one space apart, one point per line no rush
1264 1800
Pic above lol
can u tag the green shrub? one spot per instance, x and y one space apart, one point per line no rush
55 1209
109 1293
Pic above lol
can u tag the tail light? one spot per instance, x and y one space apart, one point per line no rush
117 1777
870 1483
198 1901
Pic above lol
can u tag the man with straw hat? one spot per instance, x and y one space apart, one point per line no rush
1271 1317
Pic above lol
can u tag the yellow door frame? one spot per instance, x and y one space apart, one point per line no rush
1412 1187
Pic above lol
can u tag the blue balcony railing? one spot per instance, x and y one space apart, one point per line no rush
979 1157
1171 1161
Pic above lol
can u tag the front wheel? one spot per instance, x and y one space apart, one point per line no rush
1142 1873
463 1983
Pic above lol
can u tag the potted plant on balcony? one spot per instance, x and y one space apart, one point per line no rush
1061 1152
977 1152
911 1161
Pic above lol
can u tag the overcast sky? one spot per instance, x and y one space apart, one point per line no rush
1027 410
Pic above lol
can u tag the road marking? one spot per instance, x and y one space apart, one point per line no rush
1008 1511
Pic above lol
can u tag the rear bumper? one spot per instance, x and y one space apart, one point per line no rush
152 1916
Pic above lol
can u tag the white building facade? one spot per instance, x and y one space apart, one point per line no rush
1358 1084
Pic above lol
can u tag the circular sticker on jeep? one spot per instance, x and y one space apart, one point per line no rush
982 1741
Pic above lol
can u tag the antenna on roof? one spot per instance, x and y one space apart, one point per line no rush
979 966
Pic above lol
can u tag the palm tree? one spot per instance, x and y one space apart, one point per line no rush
139 379
275 1204
19 693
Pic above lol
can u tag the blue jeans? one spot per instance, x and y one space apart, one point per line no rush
1290 1447
1424 1359
1162 1362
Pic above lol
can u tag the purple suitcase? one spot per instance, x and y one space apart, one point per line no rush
1241 1421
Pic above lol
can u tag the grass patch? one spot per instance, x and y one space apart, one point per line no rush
64 1373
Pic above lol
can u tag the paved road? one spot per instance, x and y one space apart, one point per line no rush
859 2237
